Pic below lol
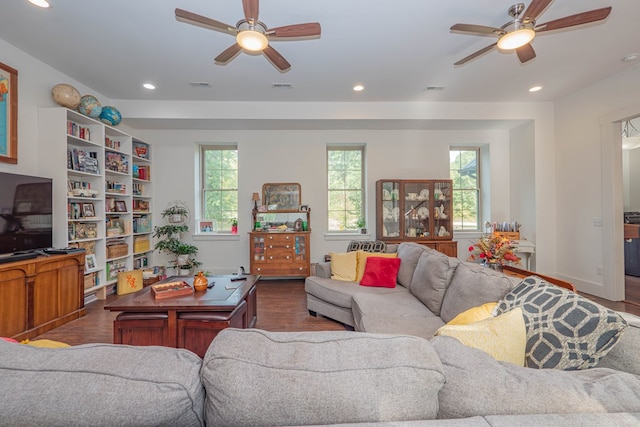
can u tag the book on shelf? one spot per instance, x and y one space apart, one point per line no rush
78 131
116 162
112 143
83 161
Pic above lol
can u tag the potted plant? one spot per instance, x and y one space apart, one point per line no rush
189 266
234 225
175 214
361 224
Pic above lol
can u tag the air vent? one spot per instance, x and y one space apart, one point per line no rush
282 85
434 88
199 84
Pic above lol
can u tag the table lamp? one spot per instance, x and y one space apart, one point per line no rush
255 197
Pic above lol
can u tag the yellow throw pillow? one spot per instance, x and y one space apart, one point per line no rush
474 314
362 261
503 337
343 266
45 343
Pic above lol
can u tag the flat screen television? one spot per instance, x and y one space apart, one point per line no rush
25 213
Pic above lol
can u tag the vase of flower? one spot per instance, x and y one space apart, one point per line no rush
495 265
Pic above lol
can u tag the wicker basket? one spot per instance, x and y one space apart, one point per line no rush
118 250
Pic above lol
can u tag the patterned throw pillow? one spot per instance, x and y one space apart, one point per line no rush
564 330
367 246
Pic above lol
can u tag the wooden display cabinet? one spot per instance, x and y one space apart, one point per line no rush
416 211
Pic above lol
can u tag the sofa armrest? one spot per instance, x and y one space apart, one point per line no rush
323 269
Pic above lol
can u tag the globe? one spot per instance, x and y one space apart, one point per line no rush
90 106
110 115
65 95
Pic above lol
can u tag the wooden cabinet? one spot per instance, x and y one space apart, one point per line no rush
40 294
102 176
416 211
278 254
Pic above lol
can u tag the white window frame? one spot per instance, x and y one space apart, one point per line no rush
348 147
223 227
478 189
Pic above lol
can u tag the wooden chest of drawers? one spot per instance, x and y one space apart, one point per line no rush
280 254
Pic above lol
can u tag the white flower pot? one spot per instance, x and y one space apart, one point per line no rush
182 259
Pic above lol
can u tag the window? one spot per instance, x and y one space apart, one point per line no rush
219 185
463 170
345 181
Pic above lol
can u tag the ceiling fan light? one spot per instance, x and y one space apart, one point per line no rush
40 3
251 40
516 39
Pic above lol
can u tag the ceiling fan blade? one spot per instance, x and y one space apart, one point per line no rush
228 54
276 59
250 8
577 19
480 30
526 53
476 54
535 9
204 22
309 29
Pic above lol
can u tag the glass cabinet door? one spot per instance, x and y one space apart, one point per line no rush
442 205
258 248
417 216
300 247
390 197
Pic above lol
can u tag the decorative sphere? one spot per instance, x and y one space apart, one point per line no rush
90 106
110 115
66 95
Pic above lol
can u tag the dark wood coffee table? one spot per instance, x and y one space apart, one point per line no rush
190 321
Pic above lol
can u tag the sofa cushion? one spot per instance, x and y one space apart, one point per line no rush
477 384
341 293
343 266
564 330
394 313
100 385
473 285
259 378
409 253
503 337
431 278
381 272
362 261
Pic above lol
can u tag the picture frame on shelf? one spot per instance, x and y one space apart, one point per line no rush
90 263
8 114
121 206
205 226
88 211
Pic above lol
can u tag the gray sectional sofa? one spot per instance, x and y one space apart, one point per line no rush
250 377
432 289
393 377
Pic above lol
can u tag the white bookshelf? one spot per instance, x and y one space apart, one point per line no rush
69 143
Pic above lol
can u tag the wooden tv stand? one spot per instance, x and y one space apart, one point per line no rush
40 294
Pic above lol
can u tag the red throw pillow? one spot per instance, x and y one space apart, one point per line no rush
381 272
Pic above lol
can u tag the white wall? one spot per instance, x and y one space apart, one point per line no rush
35 80
587 159
300 156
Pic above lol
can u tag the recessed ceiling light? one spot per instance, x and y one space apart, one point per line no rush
149 86
630 58
40 3
358 88
535 88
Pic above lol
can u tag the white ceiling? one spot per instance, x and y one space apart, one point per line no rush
395 48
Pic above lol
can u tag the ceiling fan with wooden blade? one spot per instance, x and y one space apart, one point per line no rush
519 33
252 35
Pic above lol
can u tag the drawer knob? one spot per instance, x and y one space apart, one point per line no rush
270 257
270 246
288 257
288 246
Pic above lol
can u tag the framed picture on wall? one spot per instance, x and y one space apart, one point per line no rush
8 114
284 196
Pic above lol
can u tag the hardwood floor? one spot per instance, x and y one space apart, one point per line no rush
282 306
